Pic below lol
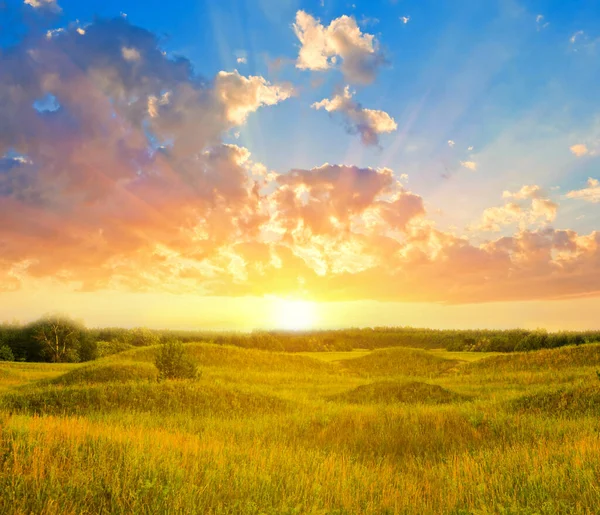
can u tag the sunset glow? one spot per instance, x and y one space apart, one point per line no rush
294 315
349 155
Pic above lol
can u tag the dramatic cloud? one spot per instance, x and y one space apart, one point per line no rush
322 46
579 150
369 123
591 193
114 175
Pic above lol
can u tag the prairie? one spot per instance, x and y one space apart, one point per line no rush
386 431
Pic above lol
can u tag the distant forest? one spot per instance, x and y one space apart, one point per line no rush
60 339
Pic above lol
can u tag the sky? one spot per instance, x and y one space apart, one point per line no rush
249 164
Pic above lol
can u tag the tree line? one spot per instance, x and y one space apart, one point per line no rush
56 338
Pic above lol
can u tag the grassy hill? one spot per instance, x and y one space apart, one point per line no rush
389 431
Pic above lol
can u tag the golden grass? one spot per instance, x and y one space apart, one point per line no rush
269 433
390 392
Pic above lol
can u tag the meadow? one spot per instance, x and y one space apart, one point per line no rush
396 430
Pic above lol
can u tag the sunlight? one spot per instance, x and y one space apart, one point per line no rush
294 315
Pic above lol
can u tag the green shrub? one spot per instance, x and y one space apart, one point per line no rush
173 362
6 354
111 347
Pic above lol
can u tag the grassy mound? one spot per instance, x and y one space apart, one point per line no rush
545 359
573 401
389 392
210 355
107 372
400 361
165 398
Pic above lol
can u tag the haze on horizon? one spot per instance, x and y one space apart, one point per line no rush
260 163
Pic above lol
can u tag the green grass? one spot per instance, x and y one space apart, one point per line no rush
400 361
389 392
388 431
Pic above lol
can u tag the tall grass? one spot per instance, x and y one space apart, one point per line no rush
270 433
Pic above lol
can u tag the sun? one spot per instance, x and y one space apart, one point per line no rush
294 315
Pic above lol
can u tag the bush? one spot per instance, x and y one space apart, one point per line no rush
6 354
142 337
111 347
173 362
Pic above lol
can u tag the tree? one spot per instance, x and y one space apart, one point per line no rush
173 362
142 336
59 338
5 353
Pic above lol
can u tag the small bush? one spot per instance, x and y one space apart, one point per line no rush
173 362
6 354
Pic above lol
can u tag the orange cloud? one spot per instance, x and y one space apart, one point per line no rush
126 184
591 193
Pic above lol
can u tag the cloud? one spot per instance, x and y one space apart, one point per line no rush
241 60
540 210
590 194
365 21
369 123
51 5
575 36
126 184
579 149
244 95
471 165
539 21
451 143
130 54
532 191
322 46
405 19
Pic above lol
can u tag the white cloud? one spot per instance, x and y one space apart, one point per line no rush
369 123
243 95
471 165
591 193
405 19
579 149
44 4
470 148
54 32
539 20
575 36
242 60
322 46
451 143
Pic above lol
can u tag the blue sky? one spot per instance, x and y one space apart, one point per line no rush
492 111
483 74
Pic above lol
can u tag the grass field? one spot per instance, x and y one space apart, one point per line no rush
388 431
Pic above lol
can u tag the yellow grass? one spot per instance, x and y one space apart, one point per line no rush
270 433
